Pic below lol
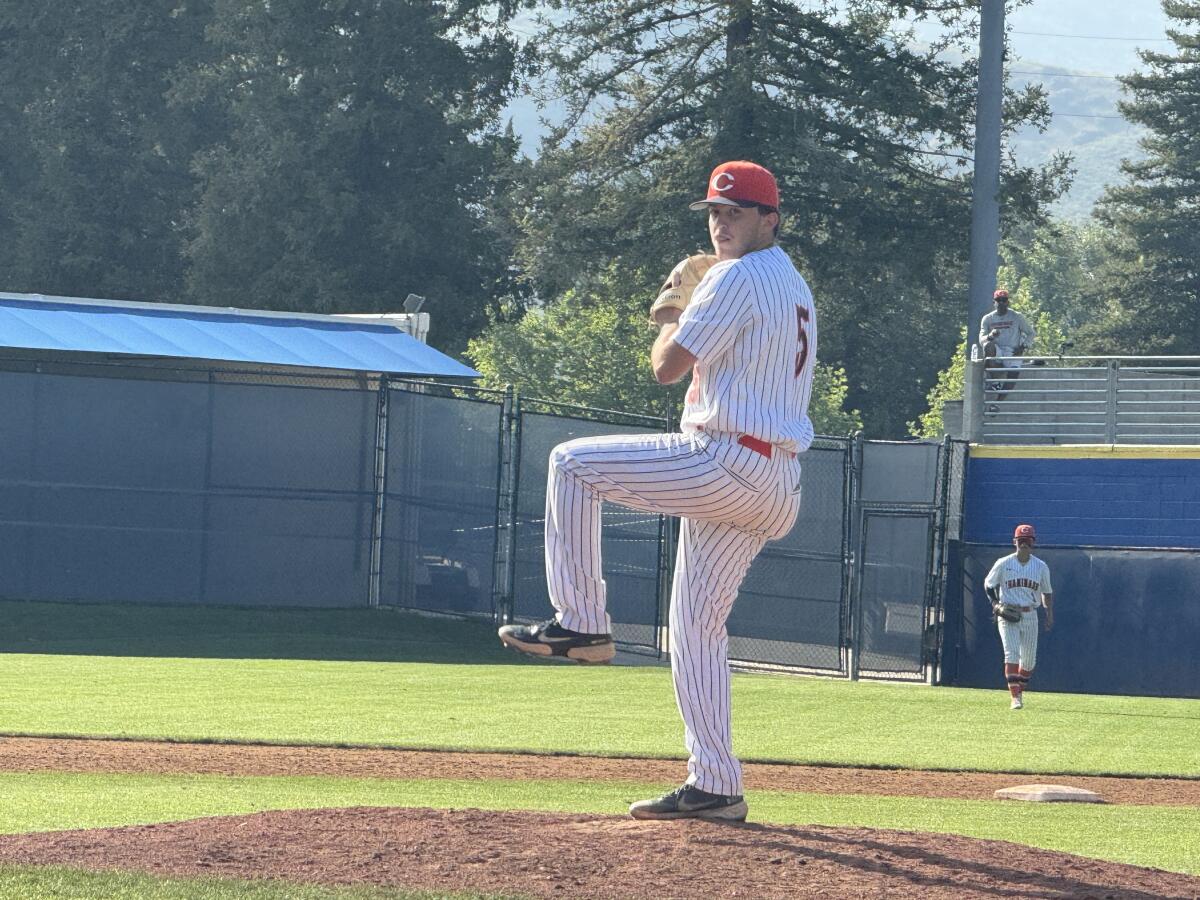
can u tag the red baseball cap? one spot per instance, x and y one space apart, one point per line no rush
1025 532
1000 295
738 183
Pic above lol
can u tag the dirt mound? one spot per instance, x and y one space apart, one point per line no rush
547 855
569 856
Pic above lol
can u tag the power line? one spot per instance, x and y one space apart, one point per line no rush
1055 115
1093 37
1062 75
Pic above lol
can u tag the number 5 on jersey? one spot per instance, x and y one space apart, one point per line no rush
801 338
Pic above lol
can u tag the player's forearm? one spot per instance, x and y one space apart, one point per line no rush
669 361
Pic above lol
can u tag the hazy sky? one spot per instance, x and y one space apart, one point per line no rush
1104 35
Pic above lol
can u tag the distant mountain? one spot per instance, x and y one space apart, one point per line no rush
1087 125
1090 41
1095 36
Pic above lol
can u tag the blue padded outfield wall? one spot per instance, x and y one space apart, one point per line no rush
1089 496
1120 530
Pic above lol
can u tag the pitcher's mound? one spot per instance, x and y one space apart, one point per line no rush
555 855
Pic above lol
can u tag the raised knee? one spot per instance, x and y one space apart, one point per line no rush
561 456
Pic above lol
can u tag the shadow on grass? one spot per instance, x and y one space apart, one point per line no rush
228 632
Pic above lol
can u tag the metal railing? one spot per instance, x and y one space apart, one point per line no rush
1084 400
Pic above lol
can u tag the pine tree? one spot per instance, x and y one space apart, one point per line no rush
94 160
364 159
868 133
1153 284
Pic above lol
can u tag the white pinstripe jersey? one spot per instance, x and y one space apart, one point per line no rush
1020 585
752 327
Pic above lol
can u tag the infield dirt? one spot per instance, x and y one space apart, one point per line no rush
557 855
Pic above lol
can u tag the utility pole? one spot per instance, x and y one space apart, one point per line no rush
985 199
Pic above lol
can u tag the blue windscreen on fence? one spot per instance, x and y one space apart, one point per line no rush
291 495
789 610
147 484
441 499
138 490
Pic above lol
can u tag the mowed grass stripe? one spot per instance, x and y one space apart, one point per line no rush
607 711
1161 837
25 882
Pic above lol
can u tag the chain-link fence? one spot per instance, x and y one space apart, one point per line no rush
903 494
132 484
791 610
440 498
213 485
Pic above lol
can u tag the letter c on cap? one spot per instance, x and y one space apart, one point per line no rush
717 184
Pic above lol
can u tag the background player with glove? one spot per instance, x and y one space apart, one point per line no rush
1017 585
748 336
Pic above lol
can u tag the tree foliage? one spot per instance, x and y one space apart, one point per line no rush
318 155
868 132
94 162
1065 267
591 348
1153 282
363 159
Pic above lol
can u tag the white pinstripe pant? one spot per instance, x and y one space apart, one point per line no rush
732 501
1020 639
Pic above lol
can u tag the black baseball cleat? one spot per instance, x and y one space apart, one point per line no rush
551 639
689 802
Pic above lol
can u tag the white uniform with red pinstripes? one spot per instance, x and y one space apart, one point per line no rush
752 327
1021 585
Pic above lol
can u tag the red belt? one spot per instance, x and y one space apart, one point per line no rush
762 447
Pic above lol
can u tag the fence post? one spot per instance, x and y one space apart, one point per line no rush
933 631
375 567
1110 401
512 423
503 507
853 557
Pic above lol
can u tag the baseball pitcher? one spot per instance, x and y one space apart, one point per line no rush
741 320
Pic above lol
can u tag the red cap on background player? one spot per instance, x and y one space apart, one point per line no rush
739 183
1000 295
1025 533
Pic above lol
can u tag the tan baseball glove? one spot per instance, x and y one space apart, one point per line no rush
688 274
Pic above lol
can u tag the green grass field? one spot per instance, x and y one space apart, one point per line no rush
27 883
380 678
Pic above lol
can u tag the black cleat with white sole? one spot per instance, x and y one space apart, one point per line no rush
551 639
689 802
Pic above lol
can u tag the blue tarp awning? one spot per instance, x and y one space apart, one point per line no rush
34 322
